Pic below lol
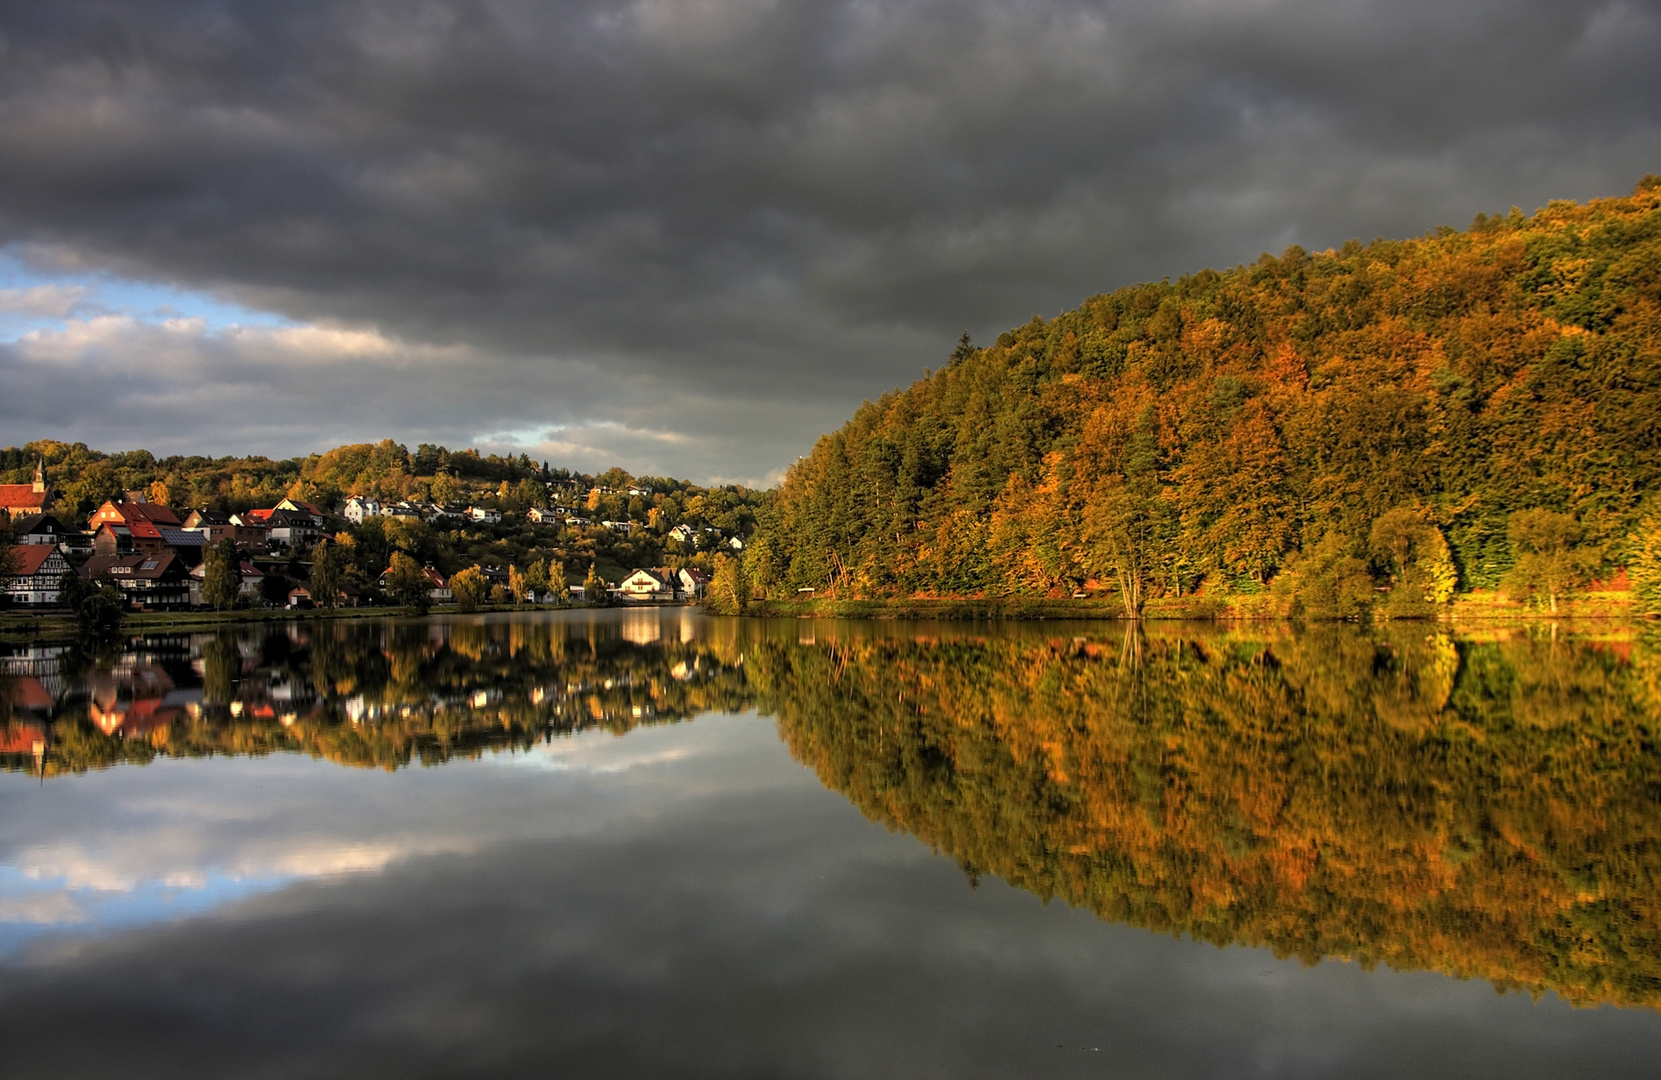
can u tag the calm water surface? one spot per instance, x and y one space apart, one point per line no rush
650 843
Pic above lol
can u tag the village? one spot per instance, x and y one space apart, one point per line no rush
158 558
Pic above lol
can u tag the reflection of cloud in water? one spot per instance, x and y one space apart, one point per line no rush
594 757
184 838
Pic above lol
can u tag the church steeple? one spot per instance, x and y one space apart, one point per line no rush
40 476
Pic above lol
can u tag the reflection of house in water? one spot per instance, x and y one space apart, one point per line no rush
139 700
642 627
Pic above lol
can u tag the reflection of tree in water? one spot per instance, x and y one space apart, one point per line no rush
379 695
1487 808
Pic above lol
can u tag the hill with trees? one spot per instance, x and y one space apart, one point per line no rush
1412 419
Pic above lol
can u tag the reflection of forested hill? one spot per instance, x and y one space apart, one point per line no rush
371 695
1488 810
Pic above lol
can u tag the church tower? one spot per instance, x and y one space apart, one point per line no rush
40 477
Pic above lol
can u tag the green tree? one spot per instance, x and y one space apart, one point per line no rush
1327 581
1551 559
222 575
406 582
1421 566
468 588
1645 562
328 571
97 605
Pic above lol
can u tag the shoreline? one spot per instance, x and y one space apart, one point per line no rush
1472 608
18 627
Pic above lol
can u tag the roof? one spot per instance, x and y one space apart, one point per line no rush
21 497
44 524
183 537
210 517
153 564
146 511
661 577
31 557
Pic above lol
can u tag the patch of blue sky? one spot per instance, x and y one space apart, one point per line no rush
32 299
31 908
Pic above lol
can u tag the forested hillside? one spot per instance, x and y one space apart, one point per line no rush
1466 410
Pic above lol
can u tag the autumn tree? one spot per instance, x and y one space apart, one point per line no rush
518 585
729 589
468 588
594 587
557 583
406 582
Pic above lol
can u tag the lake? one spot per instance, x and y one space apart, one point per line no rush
655 843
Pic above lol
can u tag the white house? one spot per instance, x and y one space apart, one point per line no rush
538 516
357 509
648 585
682 532
484 514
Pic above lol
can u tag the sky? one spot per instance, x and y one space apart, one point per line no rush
689 236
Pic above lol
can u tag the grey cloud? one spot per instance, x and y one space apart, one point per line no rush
786 205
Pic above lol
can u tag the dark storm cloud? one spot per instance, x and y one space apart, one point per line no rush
658 214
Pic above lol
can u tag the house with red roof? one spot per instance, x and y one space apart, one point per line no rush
41 568
132 510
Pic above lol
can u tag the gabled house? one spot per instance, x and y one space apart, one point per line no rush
647 585
359 508
684 533
484 515
301 506
218 527
691 583
131 511
150 581
38 529
39 576
293 529
539 516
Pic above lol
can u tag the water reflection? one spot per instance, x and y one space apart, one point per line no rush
1483 806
